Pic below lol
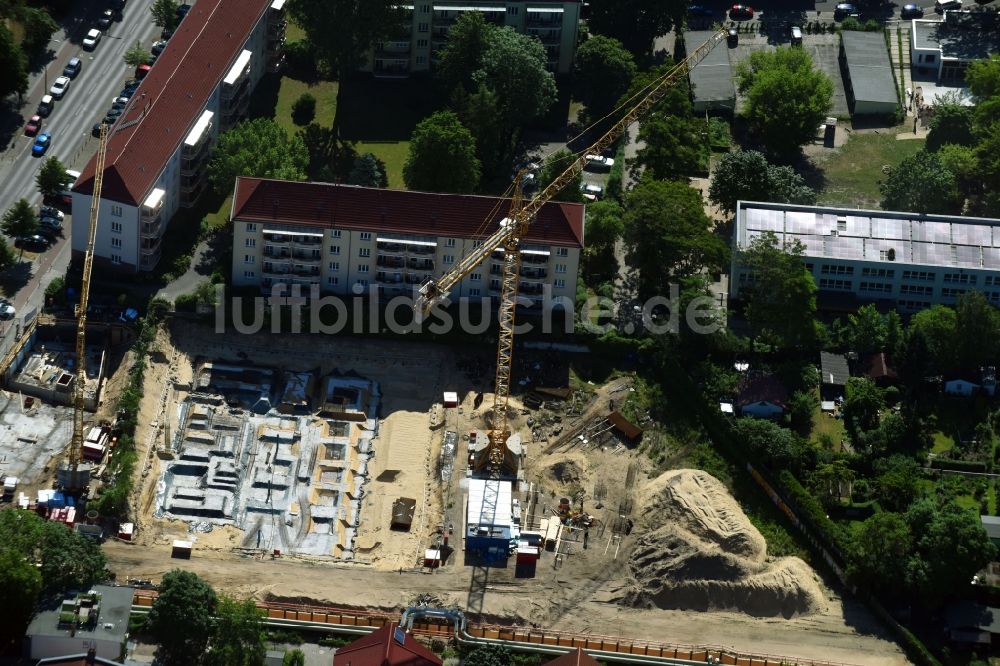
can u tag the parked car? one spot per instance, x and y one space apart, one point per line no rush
45 106
7 310
599 162
941 6
120 102
66 196
59 87
33 125
142 70
106 19
166 33
114 112
36 243
158 46
911 12
49 211
591 191
182 11
50 223
740 12
845 9
42 143
732 38
72 68
796 35
91 40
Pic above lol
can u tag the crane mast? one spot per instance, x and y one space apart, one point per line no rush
498 461
72 476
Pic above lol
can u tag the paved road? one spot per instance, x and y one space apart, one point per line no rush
85 103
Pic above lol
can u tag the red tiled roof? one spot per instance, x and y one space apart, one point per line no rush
379 648
402 211
172 96
575 658
762 388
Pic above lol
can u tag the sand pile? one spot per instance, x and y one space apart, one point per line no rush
698 551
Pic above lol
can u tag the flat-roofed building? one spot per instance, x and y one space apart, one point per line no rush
945 47
868 77
426 25
712 87
159 147
347 239
908 261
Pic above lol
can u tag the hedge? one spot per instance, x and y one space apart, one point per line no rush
959 465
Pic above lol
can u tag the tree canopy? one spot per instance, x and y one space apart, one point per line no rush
673 145
746 175
13 64
181 616
136 55
164 13
636 23
781 297
786 98
604 228
668 235
237 635
951 123
602 73
20 219
52 178
259 148
442 156
553 166
922 184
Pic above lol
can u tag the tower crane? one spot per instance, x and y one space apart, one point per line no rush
75 476
498 461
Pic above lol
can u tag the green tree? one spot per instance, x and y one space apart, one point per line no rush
463 52
983 79
22 585
259 148
68 559
604 228
746 175
880 552
781 298
321 146
673 145
489 655
368 170
494 147
867 330
988 156
164 13
950 124
602 72
136 55
832 481
977 331
897 482
7 258
934 353
801 407
344 32
237 635
786 98
38 27
20 219
294 657
635 23
668 235
862 403
181 617
442 156
555 165
52 178
304 109
921 184
13 64
963 163
769 443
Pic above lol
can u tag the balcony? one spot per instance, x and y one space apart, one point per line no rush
148 260
275 269
276 27
151 228
534 273
415 278
420 264
311 257
530 289
277 252
305 271
390 262
389 278
392 49
546 35
391 69
551 20
192 166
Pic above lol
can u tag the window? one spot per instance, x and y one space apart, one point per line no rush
992 281
116 227
450 242
837 285
251 242
421 27
362 268
951 292
334 233
495 285
560 283
366 235
878 272
448 259
879 287
473 292
363 283
251 227
334 266
916 289
116 210
912 305
249 274
425 9
809 267
334 249
960 278
333 281
478 243
364 252
513 10
421 43
841 224
116 242
560 268
837 270
476 277
922 276
562 251
116 259
421 60
249 259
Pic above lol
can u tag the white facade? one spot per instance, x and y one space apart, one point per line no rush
909 260
554 22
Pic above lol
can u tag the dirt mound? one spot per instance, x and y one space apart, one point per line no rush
699 552
566 472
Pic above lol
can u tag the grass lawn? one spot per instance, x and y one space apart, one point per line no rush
942 443
823 424
852 174
393 153
293 32
291 89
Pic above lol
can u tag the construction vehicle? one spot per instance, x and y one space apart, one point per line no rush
74 476
497 461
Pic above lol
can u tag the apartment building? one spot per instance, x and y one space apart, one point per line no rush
944 47
347 240
554 22
907 261
159 147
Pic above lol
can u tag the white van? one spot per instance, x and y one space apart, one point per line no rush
67 195
940 6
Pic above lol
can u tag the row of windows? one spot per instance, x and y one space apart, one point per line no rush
838 269
916 289
879 287
878 272
840 285
951 292
960 278
923 276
